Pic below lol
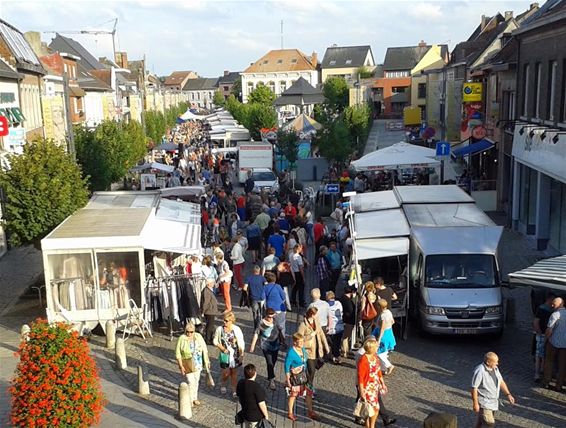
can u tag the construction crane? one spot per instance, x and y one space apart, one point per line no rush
95 32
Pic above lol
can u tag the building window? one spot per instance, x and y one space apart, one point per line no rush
271 86
526 72
536 98
282 86
528 199
333 62
250 86
422 90
294 61
552 67
395 74
279 61
226 88
398 89
348 61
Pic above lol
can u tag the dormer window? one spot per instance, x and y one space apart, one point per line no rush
265 62
294 61
279 61
348 61
333 62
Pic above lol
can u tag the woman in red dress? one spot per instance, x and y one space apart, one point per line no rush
370 380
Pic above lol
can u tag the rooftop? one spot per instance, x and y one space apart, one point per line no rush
347 56
404 58
281 60
20 48
65 44
201 84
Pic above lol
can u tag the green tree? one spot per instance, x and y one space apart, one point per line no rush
336 92
334 141
218 99
288 145
43 187
236 89
259 116
364 72
261 95
357 119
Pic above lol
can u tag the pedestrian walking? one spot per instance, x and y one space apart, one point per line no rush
323 309
315 342
224 280
229 340
209 308
335 325
370 381
277 241
254 287
296 378
348 317
486 384
335 261
271 339
384 292
275 299
385 337
323 272
556 345
252 398
298 273
192 357
540 323
368 310
237 257
270 262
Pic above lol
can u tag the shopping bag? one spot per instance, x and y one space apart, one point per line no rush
209 380
362 410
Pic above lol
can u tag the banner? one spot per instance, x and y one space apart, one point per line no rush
472 92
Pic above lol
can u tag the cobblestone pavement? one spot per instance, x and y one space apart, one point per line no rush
432 373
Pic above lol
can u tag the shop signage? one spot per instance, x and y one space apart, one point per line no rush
7 97
4 130
471 92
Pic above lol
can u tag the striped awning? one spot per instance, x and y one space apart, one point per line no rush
547 273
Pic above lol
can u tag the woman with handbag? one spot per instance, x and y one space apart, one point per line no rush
315 342
296 377
192 356
229 340
370 383
368 311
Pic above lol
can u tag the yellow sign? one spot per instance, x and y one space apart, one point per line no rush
412 116
471 92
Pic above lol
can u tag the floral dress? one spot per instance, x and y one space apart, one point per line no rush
372 387
231 344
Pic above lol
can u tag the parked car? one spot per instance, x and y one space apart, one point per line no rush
265 178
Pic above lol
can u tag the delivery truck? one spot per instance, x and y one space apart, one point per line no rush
453 273
252 155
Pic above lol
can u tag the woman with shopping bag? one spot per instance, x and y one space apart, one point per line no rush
370 384
192 357
229 340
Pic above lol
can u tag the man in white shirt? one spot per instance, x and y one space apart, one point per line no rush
556 344
323 313
237 257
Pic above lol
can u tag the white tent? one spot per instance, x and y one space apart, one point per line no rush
398 156
189 115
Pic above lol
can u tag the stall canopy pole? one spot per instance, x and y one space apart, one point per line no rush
358 274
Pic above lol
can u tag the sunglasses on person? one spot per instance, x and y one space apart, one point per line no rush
227 320
189 331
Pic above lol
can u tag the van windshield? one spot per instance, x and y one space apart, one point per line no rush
263 176
461 271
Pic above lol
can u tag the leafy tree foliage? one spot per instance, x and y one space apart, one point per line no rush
109 151
43 187
336 91
261 95
334 141
253 116
288 144
218 99
358 120
364 72
236 89
156 123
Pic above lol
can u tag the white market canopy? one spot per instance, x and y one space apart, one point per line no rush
547 273
397 156
153 165
130 219
189 115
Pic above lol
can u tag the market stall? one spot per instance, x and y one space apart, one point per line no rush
396 157
94 261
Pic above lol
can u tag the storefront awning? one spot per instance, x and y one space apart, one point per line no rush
13 114
376 248
76 91
548 273
480 146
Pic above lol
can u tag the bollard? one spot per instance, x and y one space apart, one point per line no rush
185 409
110 334
24 332
143 381
120 354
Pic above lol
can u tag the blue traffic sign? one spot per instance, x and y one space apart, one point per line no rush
332 188
442 148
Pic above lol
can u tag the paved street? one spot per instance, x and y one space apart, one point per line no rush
382 134
432 374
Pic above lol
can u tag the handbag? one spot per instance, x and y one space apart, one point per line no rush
239 418
319 363
189 365
264 423
362 410
224 358
369 312
298 378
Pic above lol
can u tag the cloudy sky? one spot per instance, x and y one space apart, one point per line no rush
212 36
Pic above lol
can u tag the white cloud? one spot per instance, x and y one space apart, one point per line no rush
427 11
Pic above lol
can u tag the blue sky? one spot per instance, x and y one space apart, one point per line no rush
212 36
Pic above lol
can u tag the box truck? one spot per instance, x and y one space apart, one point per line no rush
253 155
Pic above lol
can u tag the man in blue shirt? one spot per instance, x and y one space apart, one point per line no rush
283 223
275 299
277 242
254 286
335 261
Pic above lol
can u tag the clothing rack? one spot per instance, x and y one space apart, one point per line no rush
182 295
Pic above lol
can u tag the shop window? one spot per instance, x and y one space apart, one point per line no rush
119 279
422 90
398 89
72 281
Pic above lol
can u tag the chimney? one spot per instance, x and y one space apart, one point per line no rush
314 59
422 44
534 6
484 21
508 15
226 72
121 59
34 40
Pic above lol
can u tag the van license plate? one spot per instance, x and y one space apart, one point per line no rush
465 331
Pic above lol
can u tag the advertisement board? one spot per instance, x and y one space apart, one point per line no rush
472 92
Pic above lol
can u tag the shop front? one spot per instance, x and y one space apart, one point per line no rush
539 185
